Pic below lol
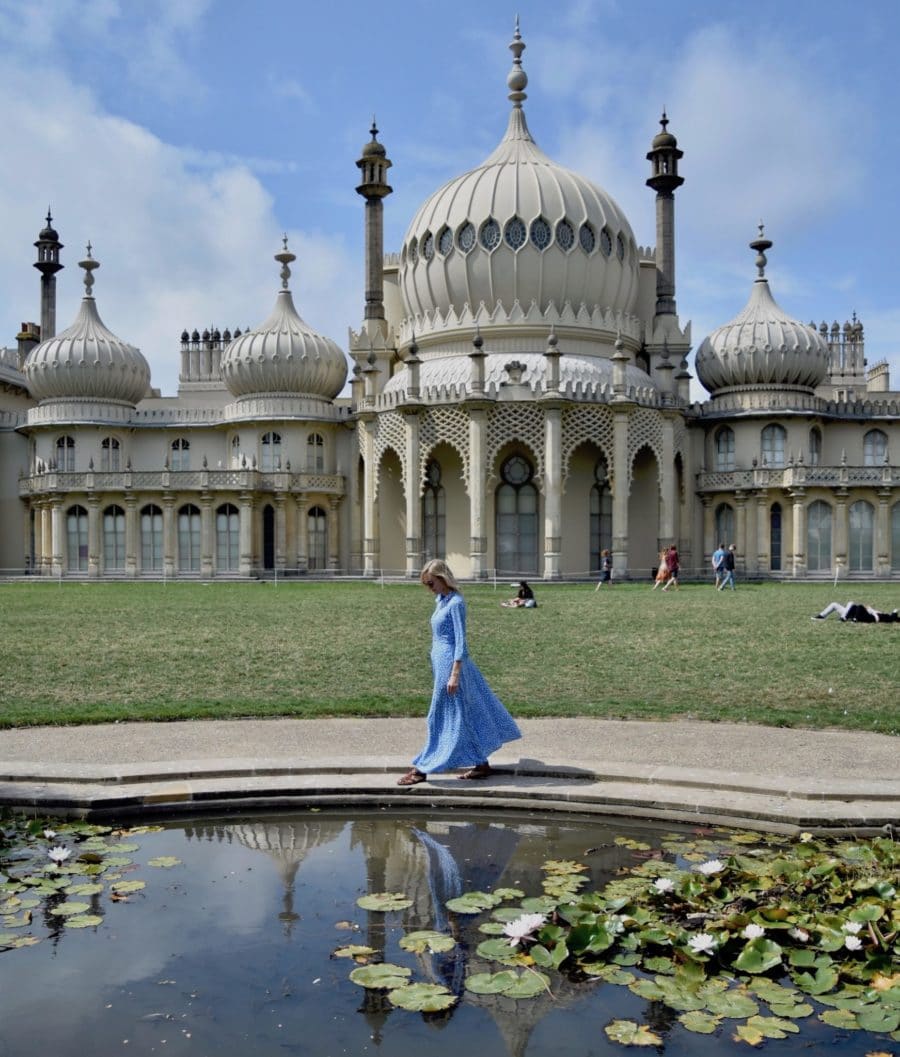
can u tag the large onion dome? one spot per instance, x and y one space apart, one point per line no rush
762 346
87 361
517 228
284 356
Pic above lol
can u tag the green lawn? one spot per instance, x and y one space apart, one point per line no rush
80 653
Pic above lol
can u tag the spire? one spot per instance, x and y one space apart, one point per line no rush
761 244
88 264
517 81
48 247
285 257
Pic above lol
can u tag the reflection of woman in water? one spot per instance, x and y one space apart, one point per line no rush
466 721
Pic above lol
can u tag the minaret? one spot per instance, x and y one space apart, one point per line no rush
373 165
48 247
664 155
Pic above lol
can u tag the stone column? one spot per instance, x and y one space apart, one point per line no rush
170 542
302 533
280 533
841 529
47 539
620 493
477 533
334 535
667 487
413 498
740 531
37 562
882 549
709 531
56 535
131 536
371 549
93 562
246 534
207 564
798 559
763 542
552 490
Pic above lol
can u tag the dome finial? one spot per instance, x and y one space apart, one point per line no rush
285 257
761 244
89 264
664 121
518 78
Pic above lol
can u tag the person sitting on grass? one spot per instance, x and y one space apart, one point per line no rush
858 613
523 600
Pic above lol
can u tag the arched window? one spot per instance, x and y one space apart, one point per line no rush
818 537
434 515
724 524
271 452
875 446
77 539
862 536
815 446
189 539
772 443
113 538
517 518
601 514
315 453
236 452
725 449
65 454
895 537
317 534
775 537
151 538
109 455
228 545
181 454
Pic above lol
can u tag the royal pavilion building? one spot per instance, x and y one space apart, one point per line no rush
518 401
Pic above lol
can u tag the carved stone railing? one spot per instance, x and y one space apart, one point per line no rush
799 476
54 482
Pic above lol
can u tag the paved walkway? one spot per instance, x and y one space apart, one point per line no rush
763 777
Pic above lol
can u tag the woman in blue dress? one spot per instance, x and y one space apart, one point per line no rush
466 721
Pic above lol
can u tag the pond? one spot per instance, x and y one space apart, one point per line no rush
238 936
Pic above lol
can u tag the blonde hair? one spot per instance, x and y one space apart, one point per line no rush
438 568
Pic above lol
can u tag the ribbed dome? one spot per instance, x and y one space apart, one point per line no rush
518 228
284 355
87 361
762 345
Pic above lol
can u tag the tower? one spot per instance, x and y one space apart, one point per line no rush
48 247
374 188
664 156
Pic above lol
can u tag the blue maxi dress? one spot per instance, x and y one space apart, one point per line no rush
466 727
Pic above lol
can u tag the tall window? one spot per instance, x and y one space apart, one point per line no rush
317 531
724 524
151 538
77 539
875 445
236 452
601 514
725 449
434 514
315 453
181 454
775 537
65 453
517 518
772 443
189 539
815 446
895 537
271 452
109 454
228 531
862 536
113 538
818 537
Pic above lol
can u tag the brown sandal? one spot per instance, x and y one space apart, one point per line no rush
412 777
482 770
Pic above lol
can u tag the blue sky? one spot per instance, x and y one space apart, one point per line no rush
182 137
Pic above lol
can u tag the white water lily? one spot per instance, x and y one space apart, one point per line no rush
853 943
615 924
711 867
799 934
702 943
852 927
523 927
49 833
753 932
59 854
663 884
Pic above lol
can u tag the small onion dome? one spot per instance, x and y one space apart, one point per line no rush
49 232
284 355
87 361
195 335
373 147
185 337
664 138
762 345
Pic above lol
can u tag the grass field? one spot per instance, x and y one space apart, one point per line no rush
85 653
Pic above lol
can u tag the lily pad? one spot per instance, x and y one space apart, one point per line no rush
21 941
427 940
124 887
773 1027
499 950
490 983
628 1033
528 984
472 903
491 928
70 909
422 998
164 862
384 901
699 1022
877 1018
83 921
758 956
840 1018
355 951
733 1004
381 977
610 973
85 889
509 893
563 866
